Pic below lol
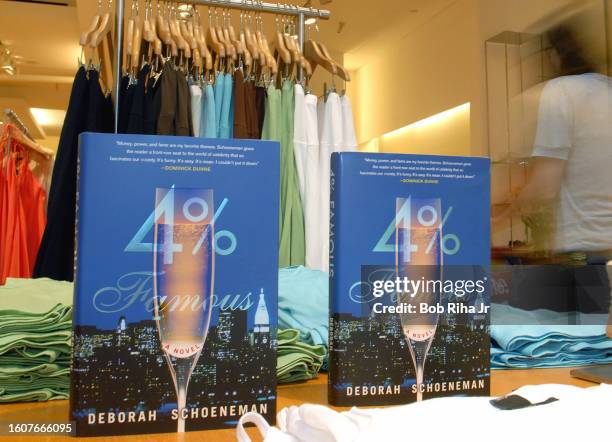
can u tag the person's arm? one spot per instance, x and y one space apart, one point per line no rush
542 188
551 151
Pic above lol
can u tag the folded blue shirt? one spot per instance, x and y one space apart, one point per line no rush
303 303
537 339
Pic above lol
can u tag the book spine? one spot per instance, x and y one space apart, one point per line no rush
335 192
74 362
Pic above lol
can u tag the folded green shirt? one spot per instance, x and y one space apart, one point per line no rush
34 296
60 318
41 394
39 355
297 360
55 339
12 358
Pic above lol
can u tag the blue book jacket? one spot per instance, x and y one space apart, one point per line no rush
175 308
409 285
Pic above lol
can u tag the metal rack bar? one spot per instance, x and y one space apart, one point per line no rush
275 8
14 118
118 55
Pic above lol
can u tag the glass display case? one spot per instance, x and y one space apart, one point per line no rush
517 67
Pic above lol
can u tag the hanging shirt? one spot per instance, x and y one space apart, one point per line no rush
260 104
168 105
292 246
183 117
219 88
240 107
195 92
208 125
225 123
253 130
272 115
33 204
272 131
126 93
97 106
3 207
137 110
306 151
331 140
231 112
56 255
13 262
152 104
349 140
25 208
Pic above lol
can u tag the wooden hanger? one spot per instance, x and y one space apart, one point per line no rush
136 44
283 52
215 43
342 72
246 37
156 50
86 36
313 54
297 57
273 65
163 27
201 41
101 42
129 39
263 51
306 69
181 43
223 33
239 42
149 35
13 132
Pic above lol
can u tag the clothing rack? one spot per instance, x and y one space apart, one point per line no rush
14 118
248 5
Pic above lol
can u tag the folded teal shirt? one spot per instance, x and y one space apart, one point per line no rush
303 303
538 340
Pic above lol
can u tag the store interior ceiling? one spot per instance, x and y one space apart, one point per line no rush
42 38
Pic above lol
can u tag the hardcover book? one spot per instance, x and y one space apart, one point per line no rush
175 307
409 284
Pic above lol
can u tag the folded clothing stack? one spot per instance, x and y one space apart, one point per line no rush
303 303
35 332
538 338
297 360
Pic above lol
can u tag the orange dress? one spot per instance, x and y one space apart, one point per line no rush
22 215
3 214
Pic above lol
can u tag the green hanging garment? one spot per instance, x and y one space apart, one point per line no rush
278 126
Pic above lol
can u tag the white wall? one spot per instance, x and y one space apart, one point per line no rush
432 69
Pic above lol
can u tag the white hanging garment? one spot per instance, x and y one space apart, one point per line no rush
349 139
195 92
330 141
306 151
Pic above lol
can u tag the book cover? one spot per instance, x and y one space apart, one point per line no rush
409 285
175 308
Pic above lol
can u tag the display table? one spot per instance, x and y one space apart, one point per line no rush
315 392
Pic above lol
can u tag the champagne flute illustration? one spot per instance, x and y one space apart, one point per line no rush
183 268
418 256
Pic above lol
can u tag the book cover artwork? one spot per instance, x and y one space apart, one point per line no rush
176 281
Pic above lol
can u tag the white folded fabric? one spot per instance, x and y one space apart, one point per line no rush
578 414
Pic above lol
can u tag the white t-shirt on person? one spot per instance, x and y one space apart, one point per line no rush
575 125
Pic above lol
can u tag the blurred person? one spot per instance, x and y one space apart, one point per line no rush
572 168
